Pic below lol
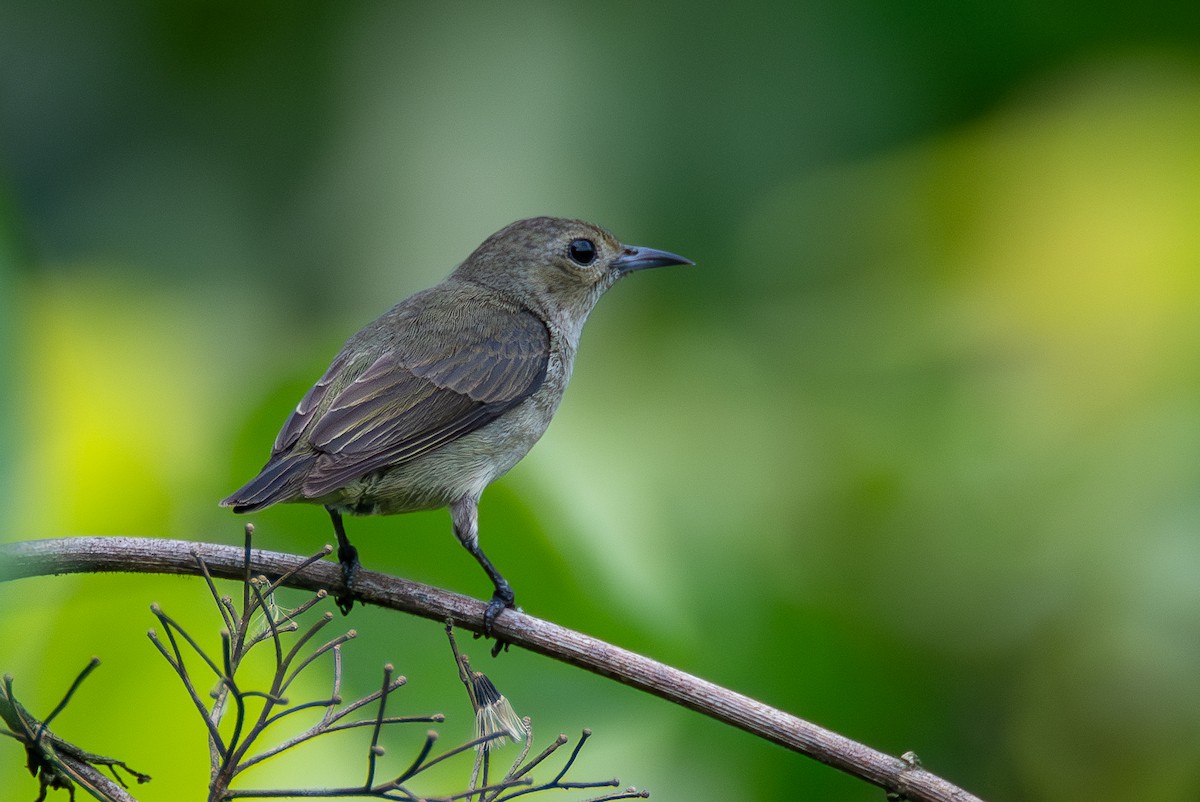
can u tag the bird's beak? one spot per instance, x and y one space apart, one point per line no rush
634 258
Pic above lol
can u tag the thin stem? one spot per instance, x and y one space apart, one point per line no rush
430 737
246 573
270 619
285 579
317 653
498 788
170 627
321 703
574 754
366 700
373 750
236 747
226 610
290 626
177 664
547 752
88 669
471 744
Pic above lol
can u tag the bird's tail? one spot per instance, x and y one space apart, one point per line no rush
280 480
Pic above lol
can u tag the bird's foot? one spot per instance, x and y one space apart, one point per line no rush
503 599
348 557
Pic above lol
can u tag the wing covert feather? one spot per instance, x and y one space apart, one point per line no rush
449 378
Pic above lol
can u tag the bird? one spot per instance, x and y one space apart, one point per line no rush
446 391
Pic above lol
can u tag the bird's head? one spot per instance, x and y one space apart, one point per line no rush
556 267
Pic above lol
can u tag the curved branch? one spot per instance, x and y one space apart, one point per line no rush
902 778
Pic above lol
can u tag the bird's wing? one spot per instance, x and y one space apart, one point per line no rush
312 401
421 393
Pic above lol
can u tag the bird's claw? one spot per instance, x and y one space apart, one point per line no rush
348 557
503 599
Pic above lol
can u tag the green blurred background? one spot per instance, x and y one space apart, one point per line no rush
913 452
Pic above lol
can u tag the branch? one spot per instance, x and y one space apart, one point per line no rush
902 778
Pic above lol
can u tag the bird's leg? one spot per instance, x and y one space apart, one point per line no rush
465 514
502 598
348 557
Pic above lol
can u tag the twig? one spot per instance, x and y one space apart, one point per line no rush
903 779
57 763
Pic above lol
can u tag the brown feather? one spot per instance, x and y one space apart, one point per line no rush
435 381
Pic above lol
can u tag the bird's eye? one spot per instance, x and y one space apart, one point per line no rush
582 251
